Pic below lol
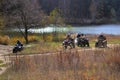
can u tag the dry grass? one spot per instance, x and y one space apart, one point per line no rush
42 47
10 38
112 39
5 40
97 64
31 38
100 64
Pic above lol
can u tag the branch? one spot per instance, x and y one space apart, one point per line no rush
34 25
21 31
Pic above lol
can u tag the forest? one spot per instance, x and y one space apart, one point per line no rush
71 11
85 11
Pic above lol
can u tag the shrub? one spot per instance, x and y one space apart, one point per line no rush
14 39
33 38
4 40
48 37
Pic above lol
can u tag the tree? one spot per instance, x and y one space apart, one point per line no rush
23 14
56 19
1 16
64 6
1 22
113 15
93 10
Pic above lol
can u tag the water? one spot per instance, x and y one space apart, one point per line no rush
96 29
49 29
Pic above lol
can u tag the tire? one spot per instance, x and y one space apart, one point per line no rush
65 47
73 45
105 44
96 44
14 50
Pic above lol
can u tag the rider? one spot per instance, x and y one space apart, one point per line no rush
69 40
82 39
18 43
18 47
78 35
81 35
85 39
68 37
102 37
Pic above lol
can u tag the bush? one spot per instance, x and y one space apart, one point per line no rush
4 40
33 39
47 37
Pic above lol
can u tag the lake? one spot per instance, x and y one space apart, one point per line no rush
92 29
98 29
95 29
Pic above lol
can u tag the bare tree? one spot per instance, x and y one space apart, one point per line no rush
23 14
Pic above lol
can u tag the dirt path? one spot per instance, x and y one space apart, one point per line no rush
3 51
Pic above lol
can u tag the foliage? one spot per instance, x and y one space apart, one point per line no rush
56 17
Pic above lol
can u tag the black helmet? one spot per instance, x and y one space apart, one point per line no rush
82 34
101 35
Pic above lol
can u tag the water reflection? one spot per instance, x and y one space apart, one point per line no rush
98 29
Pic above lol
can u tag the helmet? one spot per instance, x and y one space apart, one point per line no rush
101 35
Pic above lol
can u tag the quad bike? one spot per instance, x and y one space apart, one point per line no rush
82 42
69 43
101 44
17 48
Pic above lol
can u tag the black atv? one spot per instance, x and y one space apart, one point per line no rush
68 43
18 48
101 44
81 42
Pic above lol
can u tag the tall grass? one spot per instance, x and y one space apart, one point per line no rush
87 64
32 37
5 40
8 37
42 48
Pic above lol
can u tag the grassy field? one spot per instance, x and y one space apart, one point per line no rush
88 64
11 37
99 64
42 47
47 43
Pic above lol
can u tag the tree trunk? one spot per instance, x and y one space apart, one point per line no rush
26 35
